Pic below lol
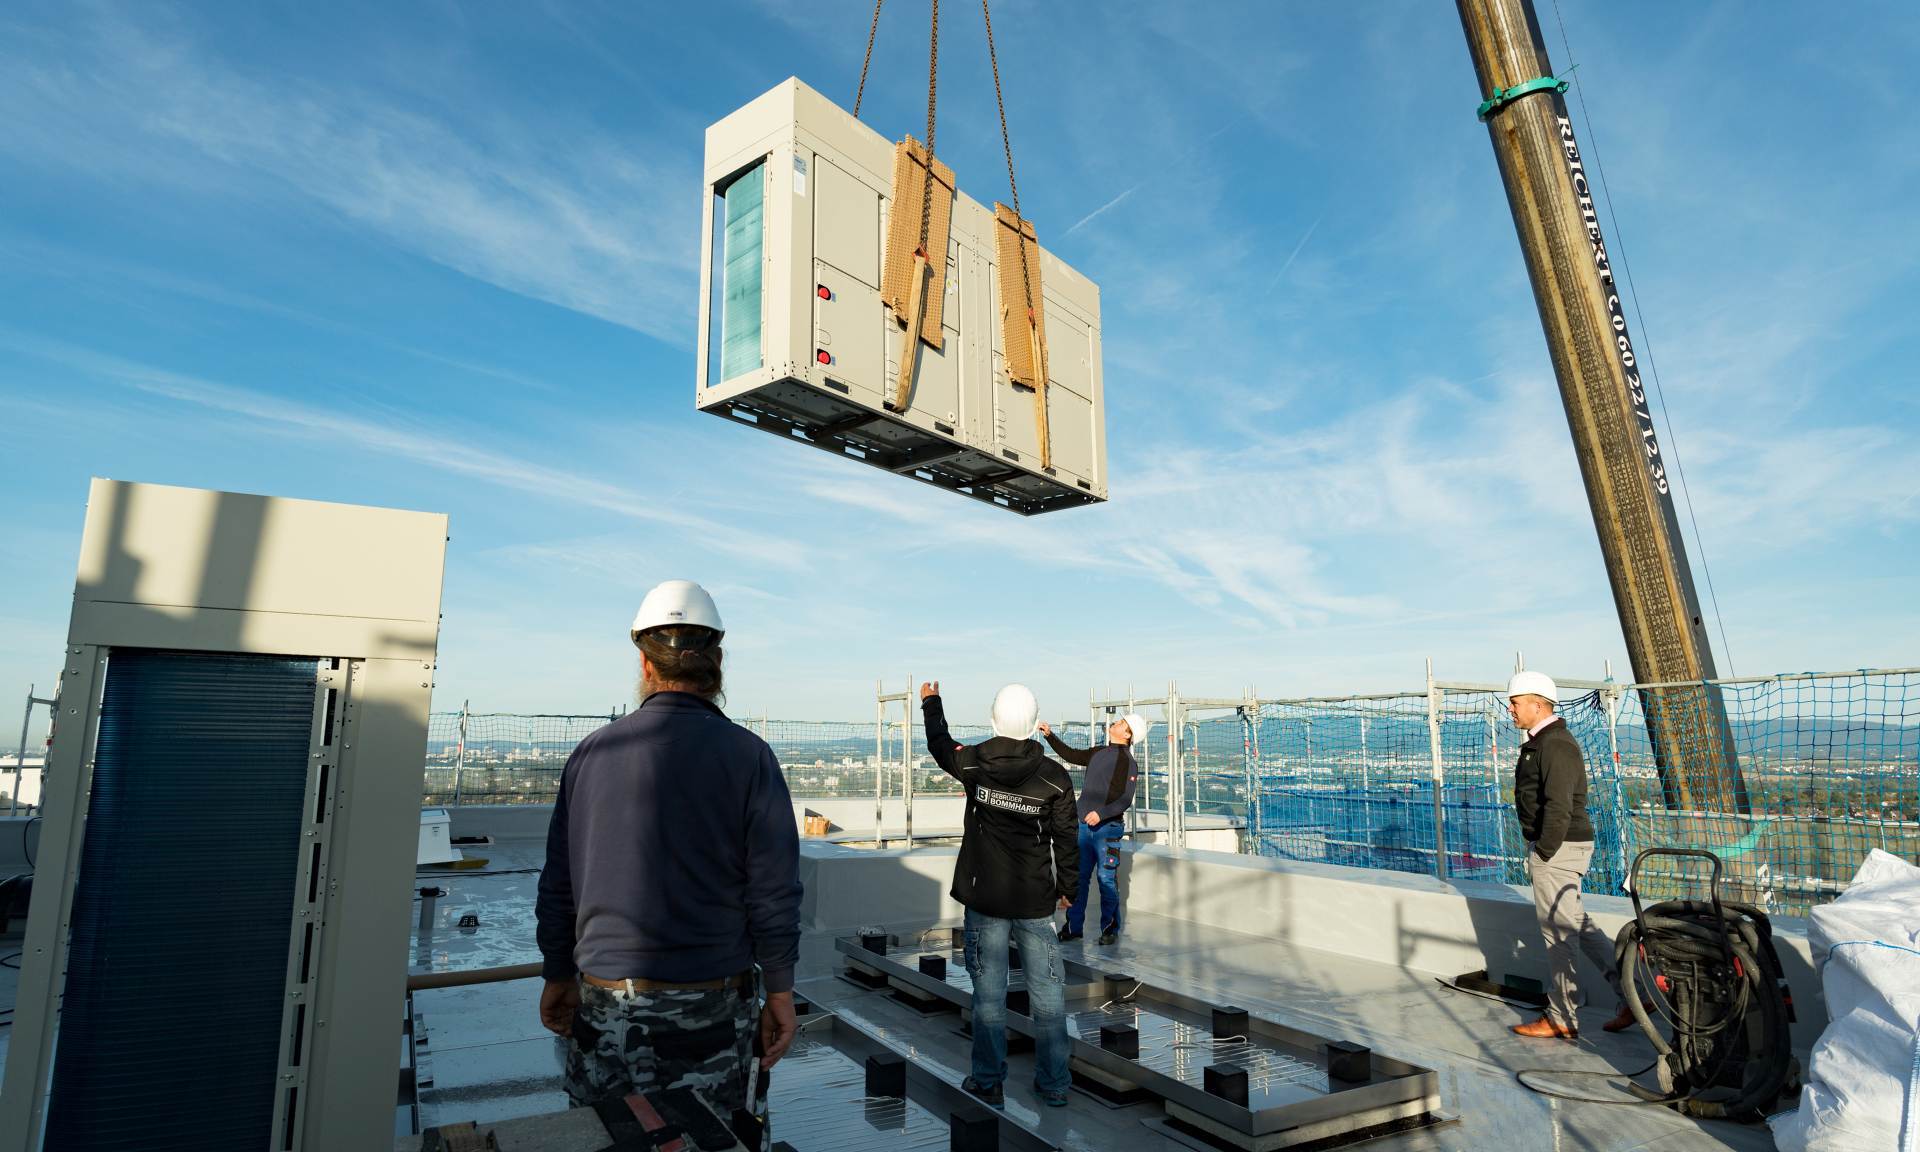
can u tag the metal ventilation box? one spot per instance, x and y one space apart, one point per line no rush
216 952
795 338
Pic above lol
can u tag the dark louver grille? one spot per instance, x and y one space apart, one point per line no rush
169 1035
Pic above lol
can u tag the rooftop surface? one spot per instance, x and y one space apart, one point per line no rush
491 1060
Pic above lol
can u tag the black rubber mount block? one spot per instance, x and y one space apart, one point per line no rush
1121 1040
1351 1063
973 1131
1227 1081
1231 1022
886 1075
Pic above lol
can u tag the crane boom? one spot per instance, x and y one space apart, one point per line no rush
1599 374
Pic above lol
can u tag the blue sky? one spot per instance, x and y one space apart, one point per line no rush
444 257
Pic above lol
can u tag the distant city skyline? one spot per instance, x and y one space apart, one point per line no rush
446 258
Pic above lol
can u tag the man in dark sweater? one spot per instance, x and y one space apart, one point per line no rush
1550 799
1017 863
1106 792
670 900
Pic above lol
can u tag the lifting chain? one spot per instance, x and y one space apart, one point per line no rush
861 92
926 188
1013 186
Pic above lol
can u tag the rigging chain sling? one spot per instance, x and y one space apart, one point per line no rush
933 80
1007 144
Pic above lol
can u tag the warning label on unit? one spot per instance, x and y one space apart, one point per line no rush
799 175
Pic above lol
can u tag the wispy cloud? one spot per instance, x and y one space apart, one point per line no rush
103 273
435 448
576 218
1207 563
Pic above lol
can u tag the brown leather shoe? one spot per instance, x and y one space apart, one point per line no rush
1625 1020
1545 1029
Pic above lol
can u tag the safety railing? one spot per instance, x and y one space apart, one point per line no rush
1828 767
1821 769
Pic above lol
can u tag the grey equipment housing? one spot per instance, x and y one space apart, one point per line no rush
795 338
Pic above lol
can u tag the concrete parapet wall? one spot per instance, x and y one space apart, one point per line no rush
933 816
1411 921
851 818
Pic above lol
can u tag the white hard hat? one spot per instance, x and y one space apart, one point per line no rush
677 602
1137 725
1016 714
1533 684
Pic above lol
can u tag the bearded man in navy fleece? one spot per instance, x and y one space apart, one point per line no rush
670 902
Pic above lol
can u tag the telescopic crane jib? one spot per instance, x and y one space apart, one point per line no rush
1599 374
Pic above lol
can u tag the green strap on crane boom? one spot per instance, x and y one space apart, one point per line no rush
1504 96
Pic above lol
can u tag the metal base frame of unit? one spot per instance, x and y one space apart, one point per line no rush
831 1118
924 1089
1398 1096
792 411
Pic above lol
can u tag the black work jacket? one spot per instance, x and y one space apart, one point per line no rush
1550 790
1021 849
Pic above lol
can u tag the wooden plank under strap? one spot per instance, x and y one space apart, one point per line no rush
910 347
1023 317
897 278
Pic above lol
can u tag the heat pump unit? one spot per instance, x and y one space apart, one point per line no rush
813 307
216 951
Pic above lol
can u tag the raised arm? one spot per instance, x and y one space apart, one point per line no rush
1079 757
940 743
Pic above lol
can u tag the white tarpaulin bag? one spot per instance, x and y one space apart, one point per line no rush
1863 1084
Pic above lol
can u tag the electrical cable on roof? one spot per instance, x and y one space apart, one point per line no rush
1522 1073
1646 340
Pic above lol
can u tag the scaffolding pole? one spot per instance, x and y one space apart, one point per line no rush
1439 776
20 759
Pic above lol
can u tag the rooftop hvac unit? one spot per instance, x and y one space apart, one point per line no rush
811 294
216 952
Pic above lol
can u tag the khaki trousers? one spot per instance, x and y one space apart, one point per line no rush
1564 923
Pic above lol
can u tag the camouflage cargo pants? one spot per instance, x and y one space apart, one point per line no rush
701 1039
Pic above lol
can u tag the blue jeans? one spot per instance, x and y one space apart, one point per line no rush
987 941
1098 859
